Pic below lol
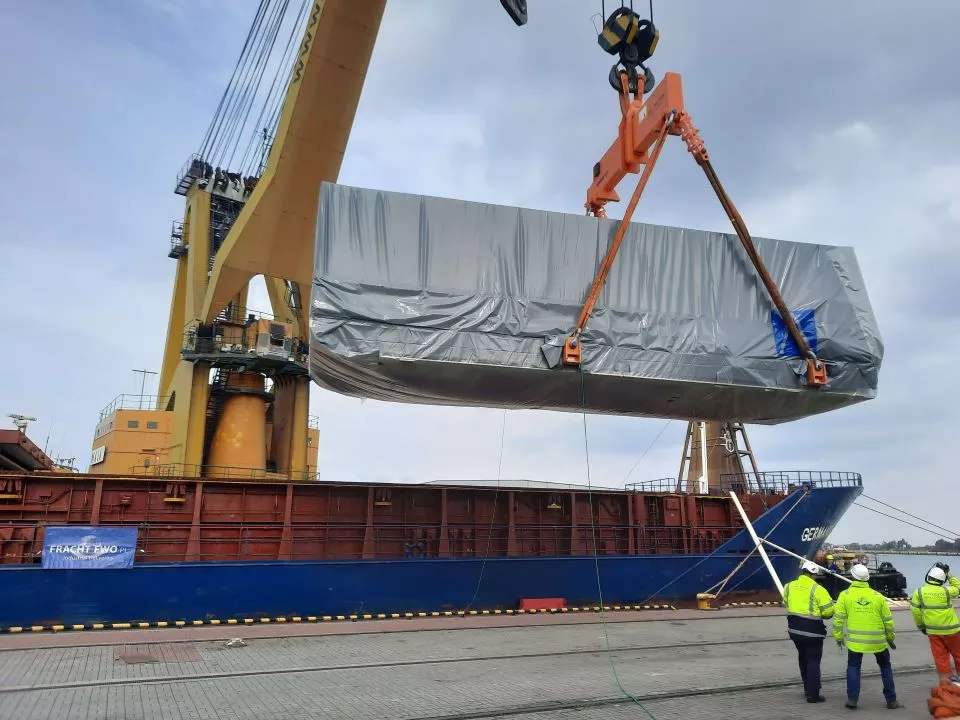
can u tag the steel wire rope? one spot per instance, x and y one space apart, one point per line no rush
211 129
742 580
915 517
275 101
259 73
273 117
711 555
284 68
493 516
248 82
596 556
234 88
644 454
746 577
906 522
231 110
727 579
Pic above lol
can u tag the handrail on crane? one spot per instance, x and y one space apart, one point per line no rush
644 127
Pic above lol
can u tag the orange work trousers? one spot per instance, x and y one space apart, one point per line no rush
943 647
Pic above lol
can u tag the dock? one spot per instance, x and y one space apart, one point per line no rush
733 662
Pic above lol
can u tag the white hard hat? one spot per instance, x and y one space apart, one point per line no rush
937 574
810 567
860 572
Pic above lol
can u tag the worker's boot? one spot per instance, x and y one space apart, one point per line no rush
893 705
816 699
850 704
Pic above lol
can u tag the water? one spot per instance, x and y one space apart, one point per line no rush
915 567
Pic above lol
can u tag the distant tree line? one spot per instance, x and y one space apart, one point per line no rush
901 544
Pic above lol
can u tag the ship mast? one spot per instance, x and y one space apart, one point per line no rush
712 451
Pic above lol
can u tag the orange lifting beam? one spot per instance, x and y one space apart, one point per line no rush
644 127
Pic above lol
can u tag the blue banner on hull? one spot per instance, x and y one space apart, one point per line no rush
89 548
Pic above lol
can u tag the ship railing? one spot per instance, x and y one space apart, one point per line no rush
230 337
135 402
787 481
177 242
192 169
761 483
658 486
220 472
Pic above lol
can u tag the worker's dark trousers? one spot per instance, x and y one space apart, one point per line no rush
855 660
809 652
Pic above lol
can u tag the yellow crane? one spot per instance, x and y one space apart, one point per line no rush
233 388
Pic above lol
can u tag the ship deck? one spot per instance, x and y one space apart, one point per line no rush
735 662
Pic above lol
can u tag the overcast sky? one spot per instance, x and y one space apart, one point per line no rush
827 123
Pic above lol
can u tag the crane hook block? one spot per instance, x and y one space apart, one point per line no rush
516 9
626 34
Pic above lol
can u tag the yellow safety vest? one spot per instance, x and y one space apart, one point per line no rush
932 607
863 619
808 604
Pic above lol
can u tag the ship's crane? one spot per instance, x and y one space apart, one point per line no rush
218 358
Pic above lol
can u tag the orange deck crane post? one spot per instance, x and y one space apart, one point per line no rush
644 127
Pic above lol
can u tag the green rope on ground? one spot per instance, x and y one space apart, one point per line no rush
596 556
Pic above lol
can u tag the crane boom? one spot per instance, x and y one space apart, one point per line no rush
273 235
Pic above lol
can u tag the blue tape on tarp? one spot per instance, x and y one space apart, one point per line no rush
76 547
806 320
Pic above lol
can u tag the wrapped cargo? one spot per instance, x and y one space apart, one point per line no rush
438 301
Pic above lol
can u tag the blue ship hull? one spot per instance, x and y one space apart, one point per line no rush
151 592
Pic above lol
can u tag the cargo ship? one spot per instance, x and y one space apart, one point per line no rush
212 482
222 549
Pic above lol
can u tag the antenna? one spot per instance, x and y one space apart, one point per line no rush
20 422
143 383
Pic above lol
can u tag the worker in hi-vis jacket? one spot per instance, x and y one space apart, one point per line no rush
864 622
808 604
935 615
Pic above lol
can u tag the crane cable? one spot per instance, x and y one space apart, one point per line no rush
253 88
284 69
234 89
215 124
493 515
239 94
248 80
644 453
596 556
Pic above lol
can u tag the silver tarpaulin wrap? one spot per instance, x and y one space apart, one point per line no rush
437 301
